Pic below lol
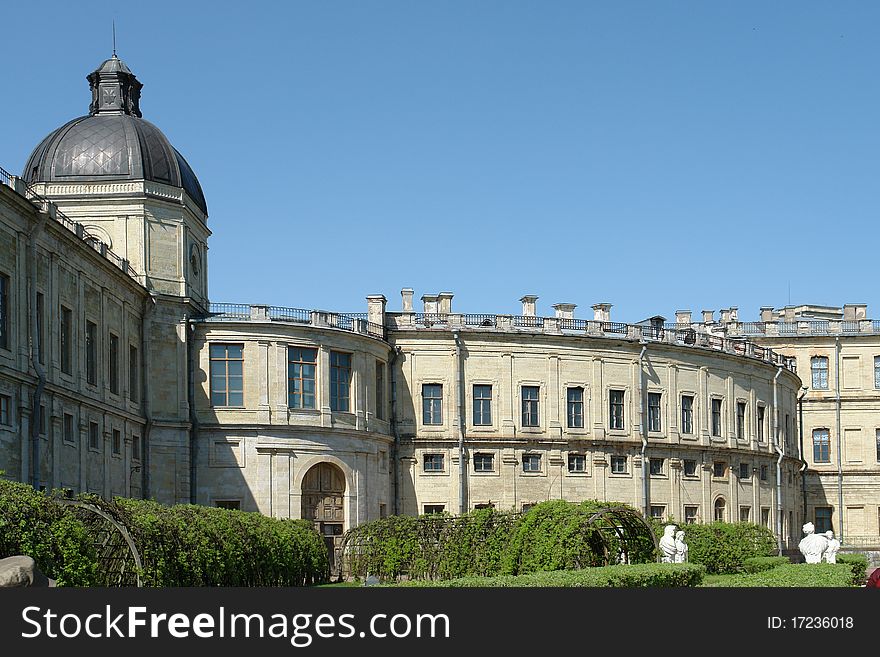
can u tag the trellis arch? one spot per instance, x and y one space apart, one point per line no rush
120 563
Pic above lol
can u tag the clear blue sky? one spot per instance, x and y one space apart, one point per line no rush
654 155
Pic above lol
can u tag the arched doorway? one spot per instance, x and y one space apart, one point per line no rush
323 494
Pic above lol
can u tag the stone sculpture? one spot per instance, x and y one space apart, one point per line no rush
681 548
812 545
667 544
830 554
22 571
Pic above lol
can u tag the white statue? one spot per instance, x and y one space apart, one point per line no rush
667 544
830 554
681 548
812 545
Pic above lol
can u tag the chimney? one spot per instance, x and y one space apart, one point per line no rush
376 309
766 313
855 311
602 312
708 316
406 295
528 305
431 303
564 310
725 315
445 302
682 316
788 313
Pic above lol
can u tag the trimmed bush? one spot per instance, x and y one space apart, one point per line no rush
858 563
723 547
620 576
760 564
33 525
796 575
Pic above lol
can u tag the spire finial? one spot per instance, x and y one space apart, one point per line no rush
114 37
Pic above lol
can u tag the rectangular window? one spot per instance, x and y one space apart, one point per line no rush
434 508
4 311
433 463
134 378
227 374
690 468
91 352
656 466
765 517
745 514
66 346
787 430
719 469
615 409
821 446
482 405
301 365
113 353
5 409
484 462
876 440
67 429
745 471
531 462
41 355
819 372
432 403
135 448
823 519
575 407
340 381
94 442
716 417
654 411
687 414
760 424
530 406
658 511
690 514
764 472
877 371
380 390
740 420
577 463
618 464
117 442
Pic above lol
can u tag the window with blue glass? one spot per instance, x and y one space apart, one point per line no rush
301 365
227 367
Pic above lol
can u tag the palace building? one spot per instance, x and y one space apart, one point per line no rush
118 376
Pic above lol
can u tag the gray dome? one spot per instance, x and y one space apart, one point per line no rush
113 142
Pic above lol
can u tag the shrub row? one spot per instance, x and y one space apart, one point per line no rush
182 545
620 576
760 564
724 547
796 575
859 565
553 535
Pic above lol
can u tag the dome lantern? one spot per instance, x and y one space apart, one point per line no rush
115 89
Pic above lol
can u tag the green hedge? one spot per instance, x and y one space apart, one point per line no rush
724 547
859 565
796 575
182 545
620 576
760 564
32 524
553 535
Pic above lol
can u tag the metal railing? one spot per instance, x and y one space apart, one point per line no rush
232 310
73 226
282 314
752 328
480 320
788 328
431 319
819 327
528 321
613 327
571 324
354 322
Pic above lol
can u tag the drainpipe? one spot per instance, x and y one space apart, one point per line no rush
781 453
149 305
644 432
33 340
395 469
800 403
462 497
839 440
193 416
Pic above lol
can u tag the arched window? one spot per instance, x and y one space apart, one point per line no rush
719 509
